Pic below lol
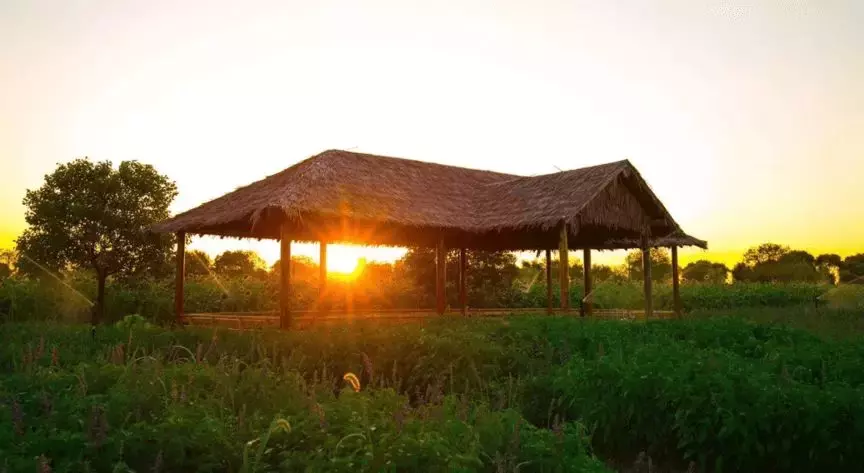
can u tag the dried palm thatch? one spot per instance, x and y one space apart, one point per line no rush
342 196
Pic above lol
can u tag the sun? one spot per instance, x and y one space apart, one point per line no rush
344 260
342 265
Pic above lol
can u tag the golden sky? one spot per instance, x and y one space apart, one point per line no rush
745 119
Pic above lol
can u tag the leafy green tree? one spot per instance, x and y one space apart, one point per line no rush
303 268
239 263
90 215
604 273
742 273
852 270
661 265
704 271
764 253
770 262
489 280
198 263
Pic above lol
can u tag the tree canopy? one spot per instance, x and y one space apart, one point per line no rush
771 262
198 263
239 263
852 270
661 265
704 271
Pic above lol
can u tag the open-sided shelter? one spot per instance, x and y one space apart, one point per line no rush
346 197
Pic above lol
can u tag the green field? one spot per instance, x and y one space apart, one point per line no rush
758 390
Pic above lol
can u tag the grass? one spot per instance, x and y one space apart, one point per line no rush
749 391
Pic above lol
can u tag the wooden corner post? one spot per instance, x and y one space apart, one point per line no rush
548 281
463 283
646 276
564 267
285 277
181 273
440 277
322 277
676 290
587 295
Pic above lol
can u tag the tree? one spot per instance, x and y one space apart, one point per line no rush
238 263
91 215
742 273
490 274
7 263
852 270
829 266
770 262
661 265
603 273
198 263
303 268
704 271
764 253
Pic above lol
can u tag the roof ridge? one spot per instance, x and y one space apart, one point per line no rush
612 176
329 152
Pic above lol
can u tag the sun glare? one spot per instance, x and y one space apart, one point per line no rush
345 260
342 265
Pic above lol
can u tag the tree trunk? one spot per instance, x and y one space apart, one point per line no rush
99 309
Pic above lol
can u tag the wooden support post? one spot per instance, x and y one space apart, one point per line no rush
646 275
440 277
463 277
181 273
587 295
285 278
676 291
548 281
564 267
322 277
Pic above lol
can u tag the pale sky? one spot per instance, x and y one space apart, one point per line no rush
746 119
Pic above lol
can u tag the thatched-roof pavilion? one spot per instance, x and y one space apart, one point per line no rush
346 197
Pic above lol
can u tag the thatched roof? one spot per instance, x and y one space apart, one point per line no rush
342 196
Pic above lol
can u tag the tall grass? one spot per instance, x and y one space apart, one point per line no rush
523 393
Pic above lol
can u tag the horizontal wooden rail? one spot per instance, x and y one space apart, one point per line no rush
244 320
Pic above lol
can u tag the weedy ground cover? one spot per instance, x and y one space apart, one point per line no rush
533 393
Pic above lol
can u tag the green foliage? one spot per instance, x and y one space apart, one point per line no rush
852 270
704 271
845 296
490 276
524 393
764 253
133 321
239 263
770 262
143 399
198 263
90 215
377 288
661 265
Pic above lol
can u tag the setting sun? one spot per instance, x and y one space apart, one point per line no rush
344 265
346 261
342 260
